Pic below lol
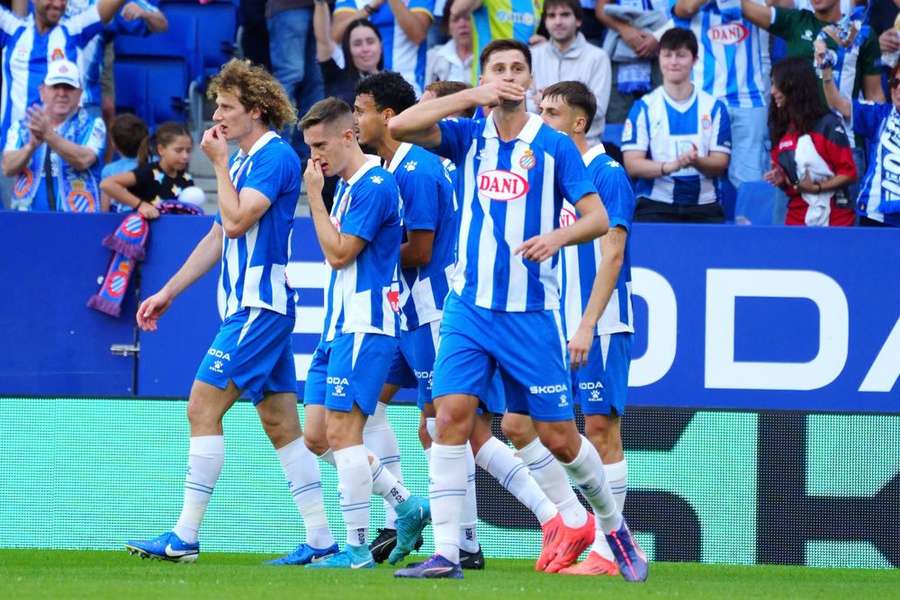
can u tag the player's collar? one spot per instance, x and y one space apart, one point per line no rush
368 165
258 144
527 134
399 156
593 153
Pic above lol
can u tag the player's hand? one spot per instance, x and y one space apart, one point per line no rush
214 145
132 12
889 41
152 309
314 179
579 346
648 46
540 247
537 40
491 94
148 211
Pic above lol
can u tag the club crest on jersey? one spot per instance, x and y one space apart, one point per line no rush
728 34
393 298
528 161
502 186
706 122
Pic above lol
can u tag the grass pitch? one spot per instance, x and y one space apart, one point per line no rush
69 574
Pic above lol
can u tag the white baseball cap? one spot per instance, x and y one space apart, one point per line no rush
63 71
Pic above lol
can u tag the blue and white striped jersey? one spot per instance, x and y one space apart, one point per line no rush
580 263
512 191
364 296
427 196
90 61
734 55
253 265
401 54
26 54
666 129
880 125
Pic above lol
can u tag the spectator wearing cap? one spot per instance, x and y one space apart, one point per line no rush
31 44
54 152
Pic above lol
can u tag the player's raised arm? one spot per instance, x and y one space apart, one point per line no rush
418 124
339 249
108 9
205 256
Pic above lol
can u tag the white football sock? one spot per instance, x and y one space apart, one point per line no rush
206 455
447 470
552 478
617 475
468 537
589 475
302 473
499 460
380 439
355 487
387 486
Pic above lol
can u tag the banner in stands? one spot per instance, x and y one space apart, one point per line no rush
727 317
737 487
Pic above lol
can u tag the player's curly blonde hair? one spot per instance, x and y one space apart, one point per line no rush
254 87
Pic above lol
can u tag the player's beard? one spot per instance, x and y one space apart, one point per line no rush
510 105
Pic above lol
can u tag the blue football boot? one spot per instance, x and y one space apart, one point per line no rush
353 557
631 559
305 554
168 546
413 516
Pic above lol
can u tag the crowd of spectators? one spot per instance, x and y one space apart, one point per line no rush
709 95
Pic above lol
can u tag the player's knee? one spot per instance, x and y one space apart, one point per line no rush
315 441
450 428
202 415
517 429
562 443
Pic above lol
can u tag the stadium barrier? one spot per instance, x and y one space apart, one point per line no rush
764 423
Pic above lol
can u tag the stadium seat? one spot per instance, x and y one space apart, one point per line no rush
755 200
218 21
160 87
180 41
727 197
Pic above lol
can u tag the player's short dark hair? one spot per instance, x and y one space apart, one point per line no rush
573 5
326 111
128 131
678 37
575 94
445 88
389 90
501 46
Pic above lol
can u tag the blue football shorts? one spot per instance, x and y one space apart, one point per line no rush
252 349
601 386
528 349
413 364
348 370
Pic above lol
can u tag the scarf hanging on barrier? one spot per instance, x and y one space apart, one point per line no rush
127 243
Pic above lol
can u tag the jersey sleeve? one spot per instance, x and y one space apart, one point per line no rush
615 191
419 191
636 132
425 7
867 117
784 22
9 23
369 207
572 179
16 136
834 147
273 175
347 5
720 139
94 137
85 25
456 135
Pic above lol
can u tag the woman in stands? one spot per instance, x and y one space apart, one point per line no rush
878 203
151 183
360 54
812 161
